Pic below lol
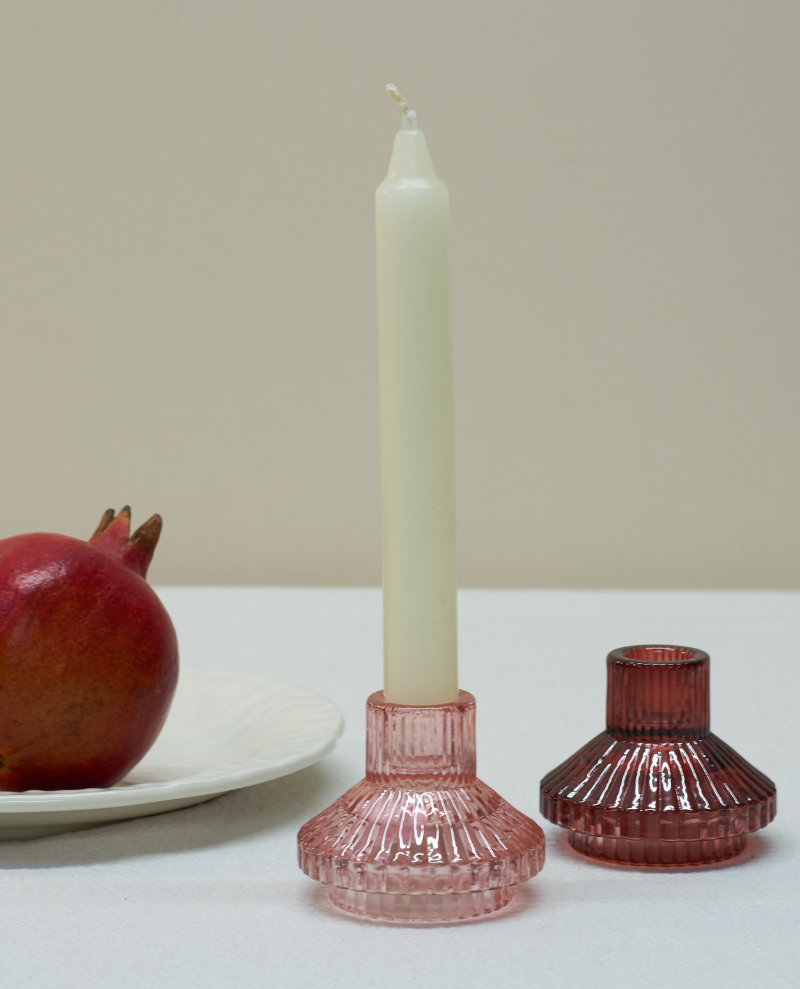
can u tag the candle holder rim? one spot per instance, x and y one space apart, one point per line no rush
698 656
379 699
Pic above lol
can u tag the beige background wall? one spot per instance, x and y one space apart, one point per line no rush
187 282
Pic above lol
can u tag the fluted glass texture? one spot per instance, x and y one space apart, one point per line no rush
657 787
421 838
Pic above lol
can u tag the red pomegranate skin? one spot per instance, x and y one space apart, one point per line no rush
88 656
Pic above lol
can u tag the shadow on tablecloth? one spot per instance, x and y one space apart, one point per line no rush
233 816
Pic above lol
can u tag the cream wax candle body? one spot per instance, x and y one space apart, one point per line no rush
417 444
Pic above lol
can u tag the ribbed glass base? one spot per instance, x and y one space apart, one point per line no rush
421 839
658 854
657 787
403 908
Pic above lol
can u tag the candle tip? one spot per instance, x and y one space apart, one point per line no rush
409 115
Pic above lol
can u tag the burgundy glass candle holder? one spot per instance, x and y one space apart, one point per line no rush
421 839
657 788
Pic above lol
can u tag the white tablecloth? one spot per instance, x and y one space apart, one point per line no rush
212 896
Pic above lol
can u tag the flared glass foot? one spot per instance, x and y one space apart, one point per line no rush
657 854
404 908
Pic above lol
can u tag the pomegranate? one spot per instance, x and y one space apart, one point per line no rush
88 656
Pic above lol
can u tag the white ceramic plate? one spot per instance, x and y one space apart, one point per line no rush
225 730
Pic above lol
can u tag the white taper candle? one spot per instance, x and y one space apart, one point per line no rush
417 443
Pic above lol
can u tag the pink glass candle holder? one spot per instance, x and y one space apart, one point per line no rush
421 839
657 787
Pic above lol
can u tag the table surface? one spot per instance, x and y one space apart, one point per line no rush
212 896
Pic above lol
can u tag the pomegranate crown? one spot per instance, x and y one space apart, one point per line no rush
136 551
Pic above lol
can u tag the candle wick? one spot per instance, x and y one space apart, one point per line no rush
409 115
394 93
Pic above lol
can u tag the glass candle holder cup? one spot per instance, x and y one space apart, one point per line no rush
421 839
657 788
